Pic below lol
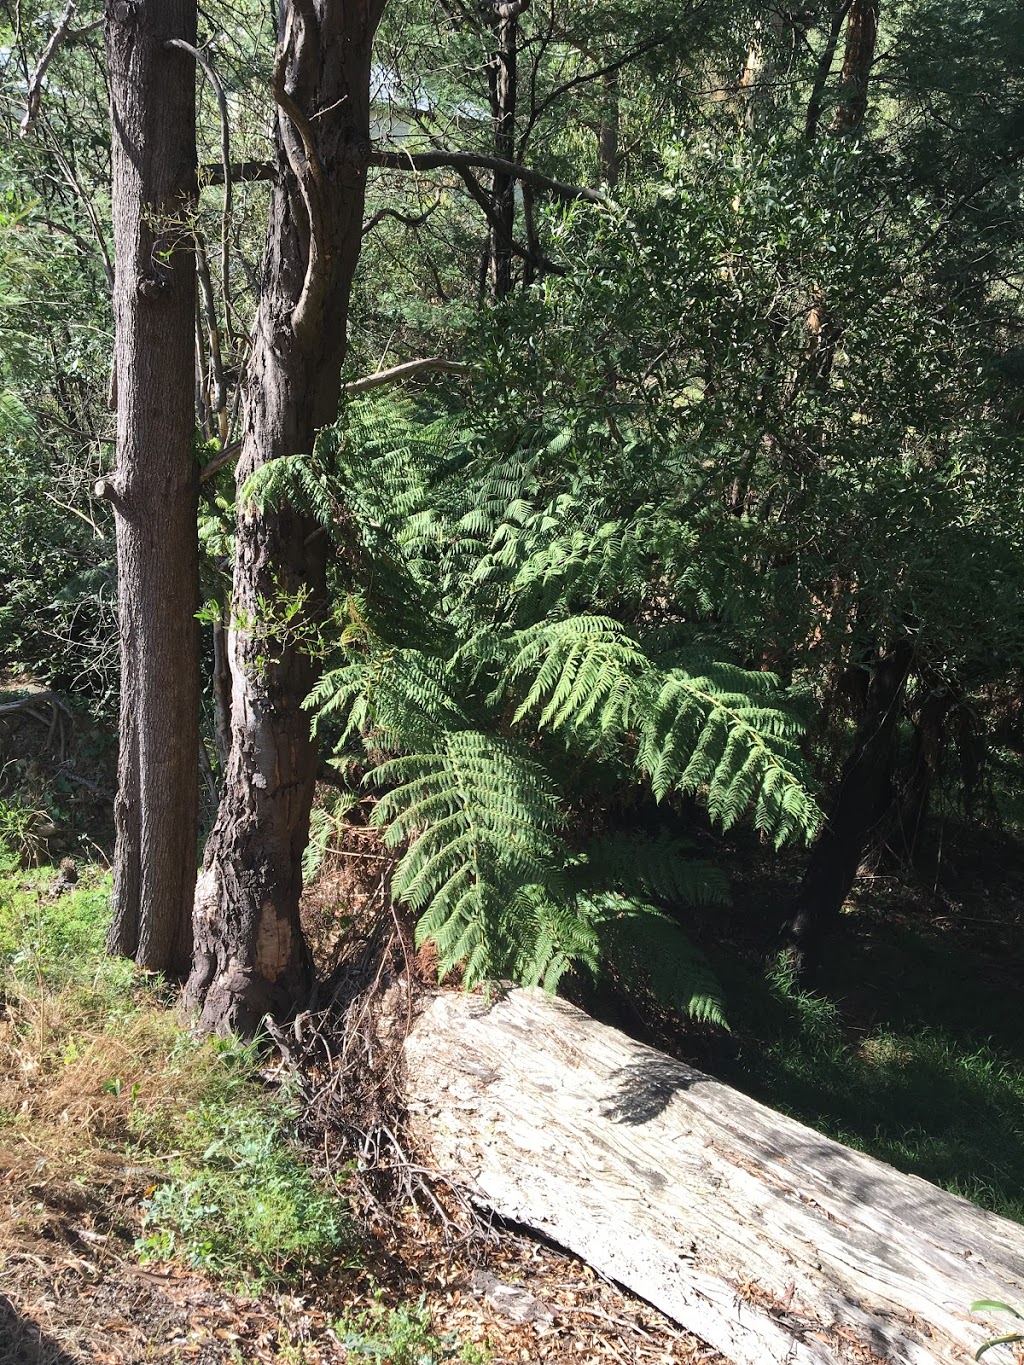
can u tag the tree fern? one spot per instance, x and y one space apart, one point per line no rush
476 688
480 819
651 952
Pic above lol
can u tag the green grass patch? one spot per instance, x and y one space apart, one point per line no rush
93 1060
930 1091
402 1336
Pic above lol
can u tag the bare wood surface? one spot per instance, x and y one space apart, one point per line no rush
771 1242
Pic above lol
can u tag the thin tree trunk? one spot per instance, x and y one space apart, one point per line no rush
824 70
154 487
858 58
504 97
250 955
608 159
865 791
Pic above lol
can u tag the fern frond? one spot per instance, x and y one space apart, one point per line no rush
695 737
658 866
585 671
652 953
299 480
480 817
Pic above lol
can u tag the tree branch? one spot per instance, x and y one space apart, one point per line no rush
412 220
239 172
585 78
309 178
469 161
406 371
35 84
225 149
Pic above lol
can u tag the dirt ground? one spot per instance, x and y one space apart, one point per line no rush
71 1293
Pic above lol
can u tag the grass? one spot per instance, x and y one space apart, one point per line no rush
915 1055
402 1336
93 1064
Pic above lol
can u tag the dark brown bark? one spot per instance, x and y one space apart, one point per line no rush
504 90
824 70
154 487
863 797
250 955
858 58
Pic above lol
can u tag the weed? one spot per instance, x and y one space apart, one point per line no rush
23 831
240 1203
402 1336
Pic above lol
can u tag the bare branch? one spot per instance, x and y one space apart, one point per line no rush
220 461
239 172
406 371
469 161
225 149
412 220
35 84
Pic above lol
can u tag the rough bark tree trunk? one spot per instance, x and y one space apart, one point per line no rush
250 955
771 1242
864 795
504 95
154 487
858 58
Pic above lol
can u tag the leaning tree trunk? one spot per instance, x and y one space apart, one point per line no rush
858 59
153 488
250 955
864 796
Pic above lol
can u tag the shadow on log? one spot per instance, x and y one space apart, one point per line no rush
769 1241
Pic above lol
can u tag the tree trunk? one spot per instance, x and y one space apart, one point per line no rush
858 58
250 955
865 792
154 487
504 96
609 161
771 1242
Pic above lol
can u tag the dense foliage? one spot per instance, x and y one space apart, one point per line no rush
726 435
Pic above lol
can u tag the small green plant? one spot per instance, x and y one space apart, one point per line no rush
240 1202
402 1336
23 831
1011 1338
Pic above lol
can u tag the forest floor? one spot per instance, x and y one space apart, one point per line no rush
108 1107
149 1181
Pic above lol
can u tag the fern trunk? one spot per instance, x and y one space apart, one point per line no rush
250 956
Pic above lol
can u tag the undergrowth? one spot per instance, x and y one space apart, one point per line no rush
402 1336
93 1061
920 1089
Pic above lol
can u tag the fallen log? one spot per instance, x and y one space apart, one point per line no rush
767 1240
